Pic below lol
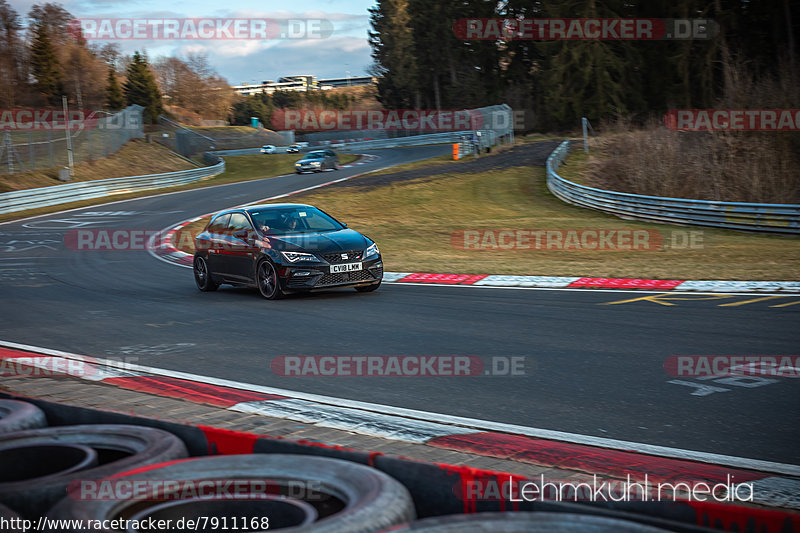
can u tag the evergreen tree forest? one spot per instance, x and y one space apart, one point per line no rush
424 64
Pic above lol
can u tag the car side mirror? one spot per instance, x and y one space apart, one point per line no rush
241 234
344 224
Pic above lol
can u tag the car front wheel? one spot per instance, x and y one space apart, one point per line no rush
202 275
267 279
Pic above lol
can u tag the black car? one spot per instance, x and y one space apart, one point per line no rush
284 248
317 161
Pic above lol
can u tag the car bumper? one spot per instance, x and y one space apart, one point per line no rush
316 277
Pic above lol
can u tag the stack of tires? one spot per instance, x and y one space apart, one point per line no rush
126 477
55 472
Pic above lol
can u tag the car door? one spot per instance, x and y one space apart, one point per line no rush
216 231
334 159
241 250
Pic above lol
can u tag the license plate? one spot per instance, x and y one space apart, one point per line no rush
346 267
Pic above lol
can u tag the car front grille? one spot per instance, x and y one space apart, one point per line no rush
336 257
345 277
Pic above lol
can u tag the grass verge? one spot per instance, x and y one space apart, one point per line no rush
135 158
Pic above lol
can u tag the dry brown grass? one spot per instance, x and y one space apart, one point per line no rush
760 167
135 158
732 167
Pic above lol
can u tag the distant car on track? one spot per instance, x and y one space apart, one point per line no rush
284 248
293 149
268 149
317 161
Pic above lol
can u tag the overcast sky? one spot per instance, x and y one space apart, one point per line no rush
251 60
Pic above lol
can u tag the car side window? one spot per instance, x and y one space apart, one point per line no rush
238 222
219 224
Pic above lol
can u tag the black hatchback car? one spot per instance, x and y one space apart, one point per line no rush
284 248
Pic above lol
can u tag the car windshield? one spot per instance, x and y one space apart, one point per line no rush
283 221
315 155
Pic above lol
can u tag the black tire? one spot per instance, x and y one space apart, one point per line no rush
352 497
8 515
280 512
522 522
17 416
119 447
267 280
368 288
202 275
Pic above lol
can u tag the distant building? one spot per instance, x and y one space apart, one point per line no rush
350 81
302 83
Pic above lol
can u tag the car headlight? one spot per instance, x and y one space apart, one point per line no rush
294 257
315 163
372 251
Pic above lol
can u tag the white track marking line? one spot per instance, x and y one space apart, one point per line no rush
458 421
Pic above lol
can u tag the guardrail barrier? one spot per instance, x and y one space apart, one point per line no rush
768 218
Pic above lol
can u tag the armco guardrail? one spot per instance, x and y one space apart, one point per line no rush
770 218
413 140
11 202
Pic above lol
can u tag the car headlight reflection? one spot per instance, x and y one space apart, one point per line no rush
371 251
294 257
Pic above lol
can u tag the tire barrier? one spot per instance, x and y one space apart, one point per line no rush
43 462
280 513
11 520
352 490
513 522
16 416
114 448
347 497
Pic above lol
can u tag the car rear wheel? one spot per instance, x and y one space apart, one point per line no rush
267 279
202 275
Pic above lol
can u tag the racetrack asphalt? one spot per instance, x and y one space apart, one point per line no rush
590 368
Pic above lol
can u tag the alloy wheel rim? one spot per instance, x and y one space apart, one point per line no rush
200 270
267 278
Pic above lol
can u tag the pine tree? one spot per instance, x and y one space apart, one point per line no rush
141 88
594 79
114 98
12 73
45 67
393 51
